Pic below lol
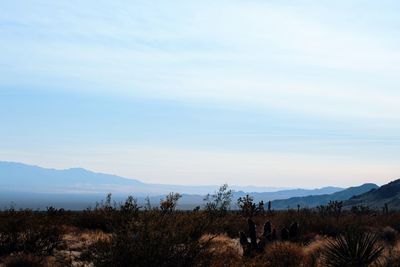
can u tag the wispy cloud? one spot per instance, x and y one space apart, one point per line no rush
280 73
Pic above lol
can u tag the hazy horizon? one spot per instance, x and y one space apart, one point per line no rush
260 188
256 93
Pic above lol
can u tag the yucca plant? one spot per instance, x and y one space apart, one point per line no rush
353 249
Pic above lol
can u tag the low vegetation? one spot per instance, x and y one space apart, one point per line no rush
127 234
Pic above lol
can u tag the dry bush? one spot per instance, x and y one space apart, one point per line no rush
23 260
284 254
80 239
29 260
97 219
156 239
313 251
38 239
391 256
230 224
29 233
223 251
123 235
389 236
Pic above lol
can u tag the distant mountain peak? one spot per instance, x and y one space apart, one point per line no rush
22 178
16 176
311 201
386 194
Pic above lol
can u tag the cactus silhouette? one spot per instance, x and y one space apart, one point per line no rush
243 239
284 234
293 231
273 235
256 245
267 230
252 233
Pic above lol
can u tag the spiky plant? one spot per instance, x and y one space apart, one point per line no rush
252 232
353 249
294 231
267 230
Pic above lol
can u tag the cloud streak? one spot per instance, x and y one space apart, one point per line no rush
242 76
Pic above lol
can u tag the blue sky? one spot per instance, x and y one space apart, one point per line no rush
273 93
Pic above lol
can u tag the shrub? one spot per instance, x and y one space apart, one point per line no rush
248 208
284 254
156 239
28 234
169 203
284 234
219 202
392 259
23 260
389 236
96 219
294 231
353 249
223 251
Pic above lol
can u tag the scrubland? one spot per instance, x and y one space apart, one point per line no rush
126 234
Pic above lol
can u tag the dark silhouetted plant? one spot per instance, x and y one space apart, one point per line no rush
255 244
248 207
219 202
252 233
353 249
335 208
294 231
361 210
267 230
273 235
156 239
284 234
169 203
389 236
29 235
386 209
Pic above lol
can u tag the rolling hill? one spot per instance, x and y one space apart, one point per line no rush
316 200
376 199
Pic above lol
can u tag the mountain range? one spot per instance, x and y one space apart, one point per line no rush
377 198
27 186
317 200
23 177
31 185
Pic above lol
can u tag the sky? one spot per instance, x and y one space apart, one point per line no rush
268 93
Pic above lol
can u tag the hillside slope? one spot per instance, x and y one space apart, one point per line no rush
316 200
388 193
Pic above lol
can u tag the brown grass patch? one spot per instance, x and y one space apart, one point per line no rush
223 251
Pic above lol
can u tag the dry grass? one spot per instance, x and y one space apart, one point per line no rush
76 241
313 251
391 255
81 239
154 232
226 251
223 251
29 260
284 254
